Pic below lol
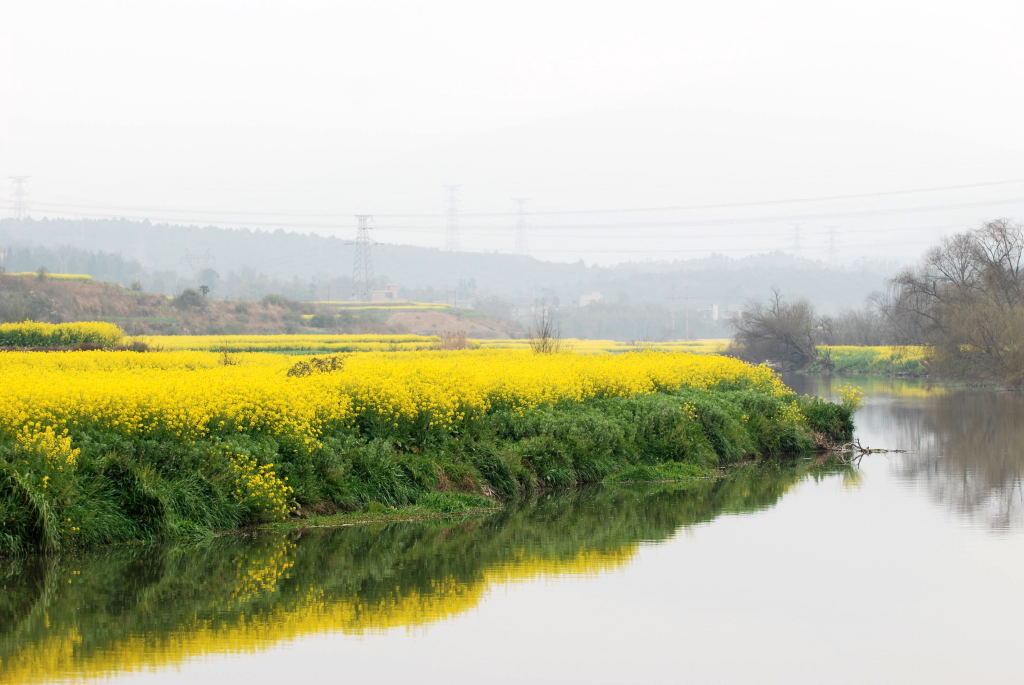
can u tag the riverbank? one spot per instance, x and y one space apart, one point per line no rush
454 505
182 602
907 361
105 447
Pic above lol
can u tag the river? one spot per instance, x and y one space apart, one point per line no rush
905 568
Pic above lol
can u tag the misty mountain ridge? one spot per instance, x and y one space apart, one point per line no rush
249 264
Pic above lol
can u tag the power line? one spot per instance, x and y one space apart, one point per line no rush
521 243
452 241
794 200
670 223
832 254
620 225
660 250
163 219
455 216
612 210
783 218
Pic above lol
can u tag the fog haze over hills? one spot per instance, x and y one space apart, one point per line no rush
298 115
635 300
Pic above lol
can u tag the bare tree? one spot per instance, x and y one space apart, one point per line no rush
783 332
967 299
453 340
870 325
544 335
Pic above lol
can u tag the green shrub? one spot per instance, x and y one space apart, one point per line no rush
37 334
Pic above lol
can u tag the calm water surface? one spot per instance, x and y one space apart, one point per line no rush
906 569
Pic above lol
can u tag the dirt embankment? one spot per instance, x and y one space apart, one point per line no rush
435 323
56 301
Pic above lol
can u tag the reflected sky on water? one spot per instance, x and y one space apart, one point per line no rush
903 570
964 446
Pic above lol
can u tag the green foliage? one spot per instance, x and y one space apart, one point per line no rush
453 502
323 320
314 365
833 422
190 299
656 473
81 333
118 488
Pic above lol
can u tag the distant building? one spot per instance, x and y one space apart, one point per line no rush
731 312
388 293
590 298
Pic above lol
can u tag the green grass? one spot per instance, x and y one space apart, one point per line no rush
124 489
882 360
662 473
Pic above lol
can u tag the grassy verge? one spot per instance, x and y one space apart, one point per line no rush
906 361
114 488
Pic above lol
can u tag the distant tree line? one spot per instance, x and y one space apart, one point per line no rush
965 299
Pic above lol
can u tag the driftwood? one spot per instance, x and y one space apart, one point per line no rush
852 452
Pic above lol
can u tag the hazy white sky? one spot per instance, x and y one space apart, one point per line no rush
229 111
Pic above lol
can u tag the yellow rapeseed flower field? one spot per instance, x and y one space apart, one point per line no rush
909 352
56 277
318 342
192 396
292 343
903 359
589 346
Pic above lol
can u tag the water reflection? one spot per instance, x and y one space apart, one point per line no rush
967 444
131 609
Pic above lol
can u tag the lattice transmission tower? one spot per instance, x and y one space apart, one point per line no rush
832 249
522 247
362 265
19 197
452 240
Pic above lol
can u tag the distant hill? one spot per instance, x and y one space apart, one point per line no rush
650 300
58 300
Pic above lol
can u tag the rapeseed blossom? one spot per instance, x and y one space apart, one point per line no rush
194 396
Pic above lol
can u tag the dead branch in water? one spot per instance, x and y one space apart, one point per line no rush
852 452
